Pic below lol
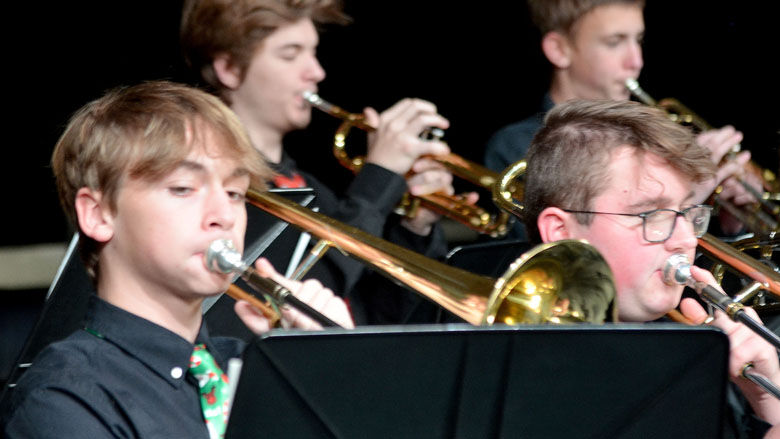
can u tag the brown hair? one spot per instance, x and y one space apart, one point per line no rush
568 160
237 27
142 132
561 15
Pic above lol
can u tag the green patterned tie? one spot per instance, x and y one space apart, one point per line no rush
214 390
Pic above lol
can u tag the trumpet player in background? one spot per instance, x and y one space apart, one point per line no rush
150 175
259 56
593 46
624 177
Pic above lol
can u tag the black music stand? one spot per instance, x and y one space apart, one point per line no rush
490 258
458 381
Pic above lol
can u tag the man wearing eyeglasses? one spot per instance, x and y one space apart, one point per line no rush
631 182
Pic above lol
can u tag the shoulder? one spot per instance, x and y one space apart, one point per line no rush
511 142
60 391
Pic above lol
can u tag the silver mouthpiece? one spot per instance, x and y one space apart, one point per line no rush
222 257
632 84
677 270
316 101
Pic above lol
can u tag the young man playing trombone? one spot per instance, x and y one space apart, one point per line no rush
151 175
628 180
259 56
593 47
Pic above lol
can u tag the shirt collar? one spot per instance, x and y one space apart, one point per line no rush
165 353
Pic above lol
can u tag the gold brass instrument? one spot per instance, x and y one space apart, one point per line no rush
677 271
508 191
765 218
764 280
263 306
562 282
450 206
222 257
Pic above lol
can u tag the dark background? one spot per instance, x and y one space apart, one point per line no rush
479 62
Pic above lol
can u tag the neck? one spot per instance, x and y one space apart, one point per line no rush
561 88
265 138
176 312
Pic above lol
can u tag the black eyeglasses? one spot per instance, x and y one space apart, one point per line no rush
658 224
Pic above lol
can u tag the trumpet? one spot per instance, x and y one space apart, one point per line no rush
765 219
474 217
563 282
507 191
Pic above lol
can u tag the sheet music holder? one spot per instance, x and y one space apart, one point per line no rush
490 258
68 296
447 381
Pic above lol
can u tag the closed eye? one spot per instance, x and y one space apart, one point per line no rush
180 191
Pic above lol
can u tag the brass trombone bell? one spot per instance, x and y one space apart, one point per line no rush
562 282
471 216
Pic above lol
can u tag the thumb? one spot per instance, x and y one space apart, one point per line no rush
693 311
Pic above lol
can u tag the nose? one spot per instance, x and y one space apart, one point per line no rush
314 71
683 238
633 60
220 211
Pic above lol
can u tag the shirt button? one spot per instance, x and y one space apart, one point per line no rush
176 372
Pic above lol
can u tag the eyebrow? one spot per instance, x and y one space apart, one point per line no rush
199 168
657 201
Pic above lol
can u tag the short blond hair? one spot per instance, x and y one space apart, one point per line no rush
142 132
568 160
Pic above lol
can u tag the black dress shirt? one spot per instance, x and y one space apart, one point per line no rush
510 144
122 376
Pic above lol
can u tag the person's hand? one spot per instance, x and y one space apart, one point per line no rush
430 176
396 144
310 291
719 142
746 346
735 193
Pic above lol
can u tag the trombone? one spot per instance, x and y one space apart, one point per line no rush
765 220
450 206
678 271
563 282
763 279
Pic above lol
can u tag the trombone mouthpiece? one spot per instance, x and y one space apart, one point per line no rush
677 270
222 257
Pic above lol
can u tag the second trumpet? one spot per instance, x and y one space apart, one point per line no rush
453 207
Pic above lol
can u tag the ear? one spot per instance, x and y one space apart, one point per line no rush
228 73
557 49
554 224
95 217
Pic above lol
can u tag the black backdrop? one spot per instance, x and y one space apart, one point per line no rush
478 61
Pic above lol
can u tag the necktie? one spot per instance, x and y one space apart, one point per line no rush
214 390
